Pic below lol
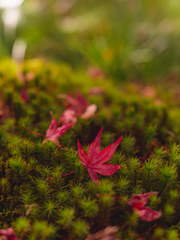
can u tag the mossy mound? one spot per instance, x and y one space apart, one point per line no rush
69 207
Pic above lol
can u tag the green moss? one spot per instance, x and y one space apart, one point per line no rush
69 207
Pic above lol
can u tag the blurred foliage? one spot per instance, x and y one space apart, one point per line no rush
125 38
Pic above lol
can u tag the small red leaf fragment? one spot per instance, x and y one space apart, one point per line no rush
9 234
90 111
147 214
68 116
137 202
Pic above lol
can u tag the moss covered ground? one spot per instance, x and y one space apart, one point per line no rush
74 206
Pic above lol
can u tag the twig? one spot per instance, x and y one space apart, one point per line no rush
142 234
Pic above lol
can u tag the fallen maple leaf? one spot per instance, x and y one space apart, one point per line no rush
79 105
9 234
94 159
137 202
53 132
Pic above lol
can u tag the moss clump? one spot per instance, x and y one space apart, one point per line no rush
69 207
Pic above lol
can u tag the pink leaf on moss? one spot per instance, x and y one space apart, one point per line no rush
8 234
137 202
94 159
79 105
53 132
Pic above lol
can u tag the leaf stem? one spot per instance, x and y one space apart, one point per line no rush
41 135
64 174
142 234
61 175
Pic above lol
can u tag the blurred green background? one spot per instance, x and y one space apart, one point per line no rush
126 39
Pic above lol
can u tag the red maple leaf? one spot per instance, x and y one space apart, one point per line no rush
137 202
94 159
